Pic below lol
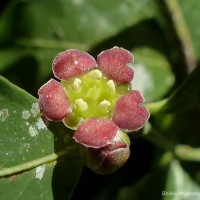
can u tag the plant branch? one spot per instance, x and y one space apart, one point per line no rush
182 52
188 153
182 33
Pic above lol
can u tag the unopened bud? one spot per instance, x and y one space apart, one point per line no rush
107 147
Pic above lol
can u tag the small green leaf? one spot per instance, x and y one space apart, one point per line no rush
180 185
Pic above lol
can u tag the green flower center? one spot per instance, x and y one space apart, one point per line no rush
92 95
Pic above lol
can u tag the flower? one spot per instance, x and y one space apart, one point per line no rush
95 99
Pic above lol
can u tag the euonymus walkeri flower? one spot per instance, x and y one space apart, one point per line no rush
95 99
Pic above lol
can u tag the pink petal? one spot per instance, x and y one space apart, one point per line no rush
113 63
53 101
96 132
72 63
128 114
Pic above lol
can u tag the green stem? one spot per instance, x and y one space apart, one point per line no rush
182 33
156 107
34 163
188 153
180 151
182 53
153 136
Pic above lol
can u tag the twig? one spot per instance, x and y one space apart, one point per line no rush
182 52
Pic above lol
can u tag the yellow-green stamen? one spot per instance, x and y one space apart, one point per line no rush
91 95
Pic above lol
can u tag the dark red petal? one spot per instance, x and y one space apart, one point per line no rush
113 63
53 101
96 132
128 114
72 63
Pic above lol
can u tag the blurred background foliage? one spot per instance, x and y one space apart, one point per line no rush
164 38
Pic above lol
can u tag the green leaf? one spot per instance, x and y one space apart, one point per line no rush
27 157
180 184
36 184
24 137
153 76
166 183
65 20
41 32
23 133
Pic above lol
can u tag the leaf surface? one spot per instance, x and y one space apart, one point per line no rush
28 163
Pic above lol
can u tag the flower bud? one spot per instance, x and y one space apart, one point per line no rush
106 146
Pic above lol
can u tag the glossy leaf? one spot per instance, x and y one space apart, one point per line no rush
180 183
29 185
162 183
42 31
23 133
27 146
